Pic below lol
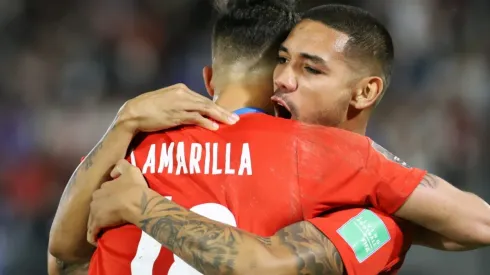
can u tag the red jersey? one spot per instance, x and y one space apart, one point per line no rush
369 242
260 175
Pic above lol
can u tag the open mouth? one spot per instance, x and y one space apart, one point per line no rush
281 108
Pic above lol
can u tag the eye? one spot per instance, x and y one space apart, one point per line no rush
281 60
312 71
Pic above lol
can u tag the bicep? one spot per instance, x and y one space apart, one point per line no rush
438 206
313 252
430 204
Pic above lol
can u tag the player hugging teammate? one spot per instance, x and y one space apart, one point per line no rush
262 194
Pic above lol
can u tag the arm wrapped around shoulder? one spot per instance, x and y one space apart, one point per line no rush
439 206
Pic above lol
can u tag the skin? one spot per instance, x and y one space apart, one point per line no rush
209 246
303 83
312 72
68 242
318 81
319 84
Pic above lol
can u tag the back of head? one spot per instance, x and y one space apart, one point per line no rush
369 44
249 32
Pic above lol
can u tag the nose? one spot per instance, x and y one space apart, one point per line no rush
285 79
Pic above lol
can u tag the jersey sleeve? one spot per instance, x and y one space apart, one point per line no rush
368 241
397 180
337 168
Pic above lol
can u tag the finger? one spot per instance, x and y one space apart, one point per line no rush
121 167
205 106
90 238
209 109
194 118
92 234
185 92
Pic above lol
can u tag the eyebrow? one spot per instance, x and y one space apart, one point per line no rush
313 58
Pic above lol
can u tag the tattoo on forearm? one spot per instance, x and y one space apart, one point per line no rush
429 181
215 248
315 253
86 164
71 269
88 161
207 246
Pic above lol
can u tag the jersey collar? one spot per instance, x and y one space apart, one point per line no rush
248 110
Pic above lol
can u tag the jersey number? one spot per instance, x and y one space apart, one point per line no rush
149 248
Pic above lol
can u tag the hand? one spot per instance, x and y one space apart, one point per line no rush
170 107
112 204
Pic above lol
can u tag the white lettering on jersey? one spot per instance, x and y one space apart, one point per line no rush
245 161
181 164
228 169
216 170
150 161
166 158
194 158
197 160
132 158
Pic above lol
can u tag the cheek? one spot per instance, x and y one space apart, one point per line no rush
310 102
329 101
337 102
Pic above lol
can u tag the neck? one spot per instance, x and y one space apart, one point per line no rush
357 123
234 97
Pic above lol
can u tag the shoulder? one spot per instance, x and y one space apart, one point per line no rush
325 141
330 135
383 152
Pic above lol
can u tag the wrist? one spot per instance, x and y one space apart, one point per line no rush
131 211
126 119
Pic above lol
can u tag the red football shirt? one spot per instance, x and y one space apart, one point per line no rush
368 241
261 175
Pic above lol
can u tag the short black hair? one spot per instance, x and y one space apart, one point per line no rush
369 41
251 29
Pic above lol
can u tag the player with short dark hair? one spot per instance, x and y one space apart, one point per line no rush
369 44
285 251
245 42
320 74
327 74
363 53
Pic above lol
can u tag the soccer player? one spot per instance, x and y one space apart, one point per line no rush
295 56
151 163
258 76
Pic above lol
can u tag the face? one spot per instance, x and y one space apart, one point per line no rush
312 79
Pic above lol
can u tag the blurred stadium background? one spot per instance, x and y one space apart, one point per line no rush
67 66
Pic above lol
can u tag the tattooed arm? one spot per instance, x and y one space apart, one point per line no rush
215 248
68 233
58 267
152 111
462 217
71 269
424 237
